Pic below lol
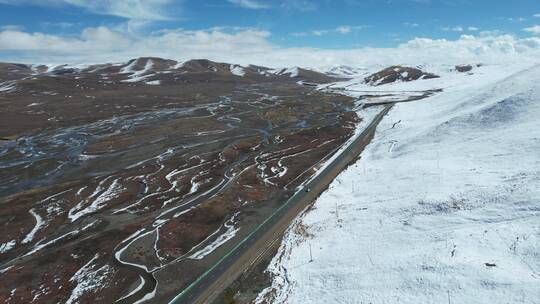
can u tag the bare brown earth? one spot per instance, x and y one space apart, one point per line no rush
110 178
398 73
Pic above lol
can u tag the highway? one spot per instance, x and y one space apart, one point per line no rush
207 287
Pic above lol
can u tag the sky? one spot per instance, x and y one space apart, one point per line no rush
274 33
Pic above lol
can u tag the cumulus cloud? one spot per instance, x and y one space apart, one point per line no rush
251 4
101 44
129 9
252 46
533 29
468 46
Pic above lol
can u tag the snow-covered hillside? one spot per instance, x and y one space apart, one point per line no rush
443 207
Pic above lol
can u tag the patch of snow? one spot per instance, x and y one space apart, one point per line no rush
180 213
40 223
156 246
292 72
342 71
130 68
137 76
5 247
135 290
112 192
53 210
118 255
134 237
89 278
35 67
237 70
178 65
81 190
194 185
75 66
148 296
85 157
6 269
7 86
153 82
228 234
99 187
40 245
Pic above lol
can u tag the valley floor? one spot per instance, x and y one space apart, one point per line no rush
443 207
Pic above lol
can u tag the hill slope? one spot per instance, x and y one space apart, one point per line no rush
442 208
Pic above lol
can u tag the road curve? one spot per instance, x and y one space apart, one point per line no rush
246 253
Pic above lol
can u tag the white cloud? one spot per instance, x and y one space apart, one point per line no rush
320 32
62 25
411 24
11 27
343 30
453 29
533 29
90 41
536 15
473 29
251 4
129 9
300 34
299 5
516 19
492 33
102 44
252 46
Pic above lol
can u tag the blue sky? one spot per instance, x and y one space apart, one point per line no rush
322 24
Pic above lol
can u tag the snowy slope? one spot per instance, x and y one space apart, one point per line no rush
442 208
341 71
291 71
237 70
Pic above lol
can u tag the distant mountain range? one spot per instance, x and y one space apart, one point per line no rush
159 71
150 70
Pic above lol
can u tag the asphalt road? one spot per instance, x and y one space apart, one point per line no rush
246 253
